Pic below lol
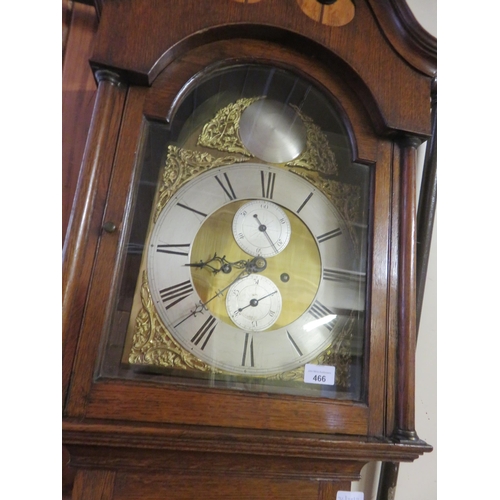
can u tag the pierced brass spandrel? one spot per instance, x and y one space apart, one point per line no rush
317 155
181 166
339 354
221 132
152 343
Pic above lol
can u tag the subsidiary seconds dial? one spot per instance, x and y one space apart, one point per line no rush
261 227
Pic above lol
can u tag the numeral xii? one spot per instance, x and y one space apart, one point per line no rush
267 183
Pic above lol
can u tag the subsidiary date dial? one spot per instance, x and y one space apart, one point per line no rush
261 228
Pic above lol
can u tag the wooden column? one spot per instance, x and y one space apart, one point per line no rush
88 205
407 330
78 96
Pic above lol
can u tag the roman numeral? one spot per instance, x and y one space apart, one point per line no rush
174 294
296 347
319 311
192 209
205 332
248 351
330 234
343 276
267 181
304 202
175 251
229 191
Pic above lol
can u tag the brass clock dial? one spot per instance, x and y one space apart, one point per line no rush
195 261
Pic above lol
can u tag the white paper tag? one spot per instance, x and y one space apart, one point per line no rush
350 495
319 374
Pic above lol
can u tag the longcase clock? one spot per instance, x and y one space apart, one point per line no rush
239 271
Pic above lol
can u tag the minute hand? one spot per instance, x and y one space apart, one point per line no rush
263 229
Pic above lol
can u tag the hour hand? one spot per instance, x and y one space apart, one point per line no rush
217 264
202 306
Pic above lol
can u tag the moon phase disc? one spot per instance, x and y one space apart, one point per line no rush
272 131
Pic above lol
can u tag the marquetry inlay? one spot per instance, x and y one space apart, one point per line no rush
337 14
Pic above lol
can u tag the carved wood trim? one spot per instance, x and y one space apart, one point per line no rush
325 447
408 38
109 152
427 207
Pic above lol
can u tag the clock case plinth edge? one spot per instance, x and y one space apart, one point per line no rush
93 443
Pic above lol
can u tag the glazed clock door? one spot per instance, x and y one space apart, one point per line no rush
253 269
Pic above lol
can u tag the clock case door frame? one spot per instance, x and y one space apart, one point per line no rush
130 400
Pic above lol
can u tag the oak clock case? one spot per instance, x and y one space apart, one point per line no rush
247 257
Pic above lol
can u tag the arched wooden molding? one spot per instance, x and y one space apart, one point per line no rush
246 1
339 13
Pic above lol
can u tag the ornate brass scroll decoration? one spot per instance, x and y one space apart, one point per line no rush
152 344
222 133
317 156
181 166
